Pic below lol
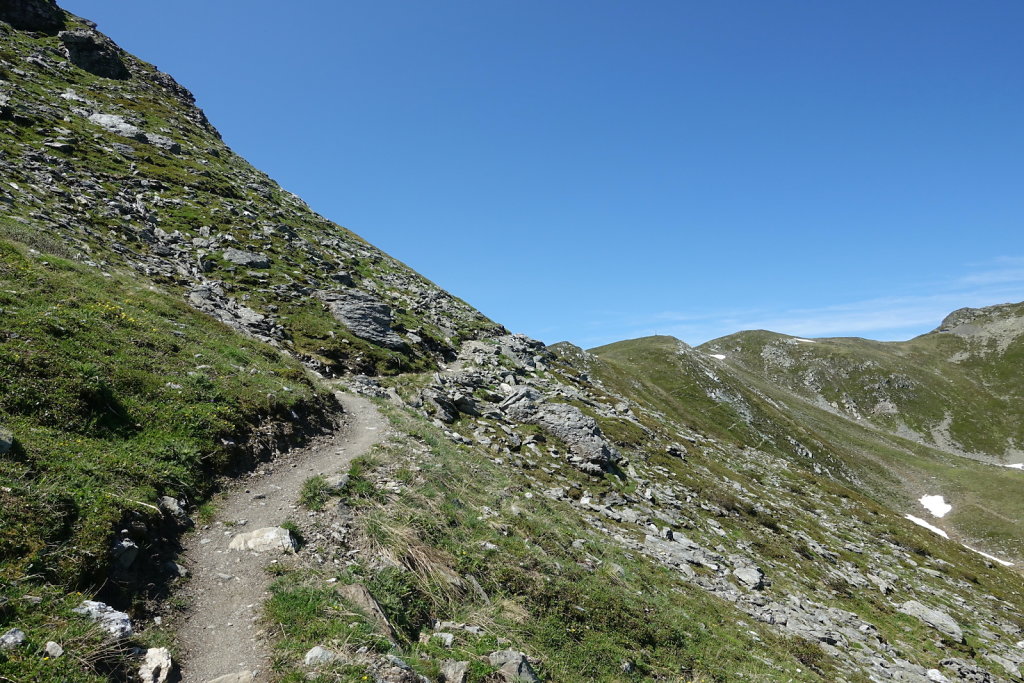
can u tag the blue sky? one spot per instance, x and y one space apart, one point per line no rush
595 170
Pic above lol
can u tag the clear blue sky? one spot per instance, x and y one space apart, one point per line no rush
594 170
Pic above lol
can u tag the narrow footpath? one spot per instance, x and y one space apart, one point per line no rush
220 637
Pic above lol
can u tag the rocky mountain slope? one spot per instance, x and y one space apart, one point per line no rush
643 511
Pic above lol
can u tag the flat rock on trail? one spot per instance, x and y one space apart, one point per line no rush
219 634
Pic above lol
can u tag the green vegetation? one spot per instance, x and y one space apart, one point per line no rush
116 394
770 409
315 492
578 603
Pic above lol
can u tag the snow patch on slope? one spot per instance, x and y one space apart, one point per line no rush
936 505
991 557
920 522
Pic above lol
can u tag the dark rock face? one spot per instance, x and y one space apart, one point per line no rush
32 15
94 53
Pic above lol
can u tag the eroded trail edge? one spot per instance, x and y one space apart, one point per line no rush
220 634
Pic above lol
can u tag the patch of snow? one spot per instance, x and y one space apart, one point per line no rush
991 557
1016 466
936 505
805 341
721 357
920 522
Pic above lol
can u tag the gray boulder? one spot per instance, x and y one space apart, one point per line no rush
92 52
117 125
590 452
935 618
454 672
32 15
6 440
110 620
163 142
749 576
364 315
318 656
513 665
442 406
246 258
53 650
12 639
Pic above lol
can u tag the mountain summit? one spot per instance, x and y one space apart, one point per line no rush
238 443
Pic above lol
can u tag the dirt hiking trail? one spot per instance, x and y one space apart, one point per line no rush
219 635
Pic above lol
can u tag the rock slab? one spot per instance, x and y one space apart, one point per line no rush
115 623
937 619
265 540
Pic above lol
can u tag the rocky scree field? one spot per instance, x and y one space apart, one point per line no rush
643 511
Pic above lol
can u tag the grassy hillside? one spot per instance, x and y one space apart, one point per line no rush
116 393
958 389
743 406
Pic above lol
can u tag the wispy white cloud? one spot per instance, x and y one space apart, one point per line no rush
884 318
994 277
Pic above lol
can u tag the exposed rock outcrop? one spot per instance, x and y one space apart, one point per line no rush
32 15
95 53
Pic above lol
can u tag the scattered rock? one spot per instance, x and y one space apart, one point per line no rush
117 125
513 665
157 665
358 595
935 618
453 671
53 650
172 509
248 259
591 452
116 623
6 440
319 655
750 576
12 639
265 540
